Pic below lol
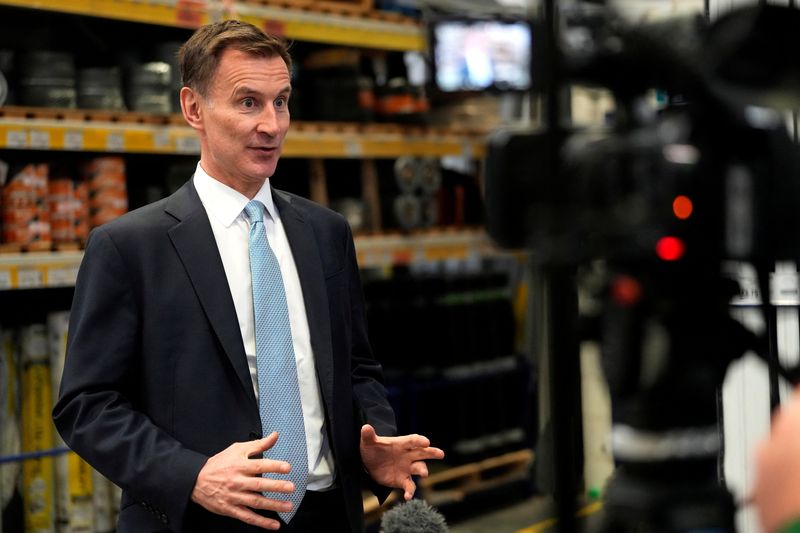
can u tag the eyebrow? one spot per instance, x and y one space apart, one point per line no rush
247 90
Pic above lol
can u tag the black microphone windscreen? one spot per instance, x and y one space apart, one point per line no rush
413 516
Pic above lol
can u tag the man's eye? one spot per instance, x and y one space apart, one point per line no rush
248 102
280 102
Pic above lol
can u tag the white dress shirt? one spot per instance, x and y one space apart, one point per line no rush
225 208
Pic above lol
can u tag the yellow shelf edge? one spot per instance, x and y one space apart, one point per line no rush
326 28
148 12
77 136
59 269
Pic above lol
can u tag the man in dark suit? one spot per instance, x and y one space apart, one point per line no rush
162 387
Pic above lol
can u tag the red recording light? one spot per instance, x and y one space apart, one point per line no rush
682 207
670 248
626 291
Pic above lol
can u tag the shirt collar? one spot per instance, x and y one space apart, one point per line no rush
227 204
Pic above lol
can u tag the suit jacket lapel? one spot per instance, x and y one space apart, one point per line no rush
194 241
303 243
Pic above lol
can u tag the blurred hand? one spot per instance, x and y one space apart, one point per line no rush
230 483
777 489
391 461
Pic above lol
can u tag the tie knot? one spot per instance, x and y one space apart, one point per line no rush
255 211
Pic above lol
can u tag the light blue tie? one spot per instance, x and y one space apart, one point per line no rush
278 391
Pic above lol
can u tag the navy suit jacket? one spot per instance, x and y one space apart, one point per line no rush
156 379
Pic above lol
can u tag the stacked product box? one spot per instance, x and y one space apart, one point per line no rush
26 214
107 190
69 209
42 206
42 489
38 474
10 443
74 477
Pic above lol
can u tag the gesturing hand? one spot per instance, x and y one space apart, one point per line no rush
776 493
391 461
230 483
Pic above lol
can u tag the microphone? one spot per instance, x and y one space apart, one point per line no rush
413 516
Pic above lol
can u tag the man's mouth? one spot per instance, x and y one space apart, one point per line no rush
265 149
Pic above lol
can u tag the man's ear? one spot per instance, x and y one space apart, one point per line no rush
191 108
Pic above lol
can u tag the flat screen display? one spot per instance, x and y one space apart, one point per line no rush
474 55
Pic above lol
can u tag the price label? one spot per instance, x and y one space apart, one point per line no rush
73 140
115 142
16 139
62 276
353 148
29 278
161 139
187 145
40 139
5 279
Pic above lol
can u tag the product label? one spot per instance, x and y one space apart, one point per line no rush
38 475
187 145
62 276
29 278
16 139
73 140
40 139
115 142
5 279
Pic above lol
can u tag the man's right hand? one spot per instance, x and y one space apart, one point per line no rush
230 483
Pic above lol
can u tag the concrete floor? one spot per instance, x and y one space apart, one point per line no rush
530 515
509 519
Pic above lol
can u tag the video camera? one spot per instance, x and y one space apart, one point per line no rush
666 194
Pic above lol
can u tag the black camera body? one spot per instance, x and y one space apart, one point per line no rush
664 197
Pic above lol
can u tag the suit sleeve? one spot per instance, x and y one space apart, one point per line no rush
96 411
368 389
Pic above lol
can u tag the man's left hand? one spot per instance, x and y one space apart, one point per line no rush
391 461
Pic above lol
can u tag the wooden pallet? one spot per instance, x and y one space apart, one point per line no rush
455 484
374 510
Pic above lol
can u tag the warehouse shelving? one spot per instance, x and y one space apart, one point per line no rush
310 24
92 131
39 269
43 269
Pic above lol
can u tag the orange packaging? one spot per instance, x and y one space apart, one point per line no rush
65 208
32 233
104 215
108 171
106 190
26 217
81 230
20 216
63 231
61 188
105 198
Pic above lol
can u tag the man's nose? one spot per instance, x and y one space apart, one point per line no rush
268 121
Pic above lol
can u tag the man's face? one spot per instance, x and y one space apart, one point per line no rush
245 117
